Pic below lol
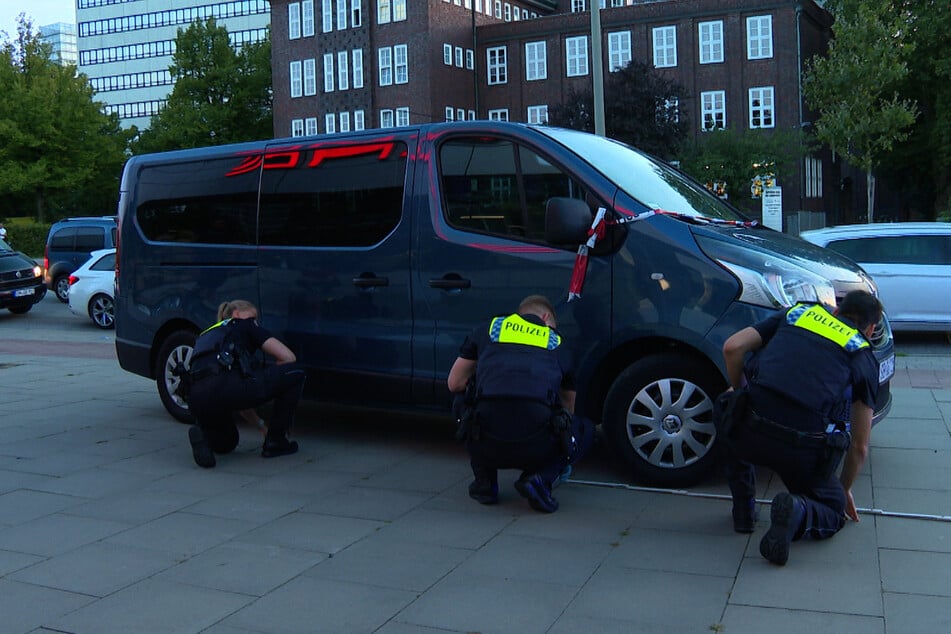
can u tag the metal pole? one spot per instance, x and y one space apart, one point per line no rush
597 67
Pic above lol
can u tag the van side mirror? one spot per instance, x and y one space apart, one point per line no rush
567 221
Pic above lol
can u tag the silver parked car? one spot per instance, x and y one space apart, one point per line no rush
909 261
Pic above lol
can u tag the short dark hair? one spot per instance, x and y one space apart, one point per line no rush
861 307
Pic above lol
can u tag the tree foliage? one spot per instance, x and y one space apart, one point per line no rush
855 87
641 109
59 152
220 95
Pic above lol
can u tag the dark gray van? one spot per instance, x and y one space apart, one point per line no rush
373 254
69 244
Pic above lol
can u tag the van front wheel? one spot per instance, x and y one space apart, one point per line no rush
172 361
658 416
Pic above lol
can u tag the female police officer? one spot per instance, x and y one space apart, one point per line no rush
225 380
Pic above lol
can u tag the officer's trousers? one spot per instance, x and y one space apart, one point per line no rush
517 434
824 497
215 399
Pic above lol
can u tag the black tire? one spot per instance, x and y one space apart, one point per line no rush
61 288
173 359
20 310
102 311
658 416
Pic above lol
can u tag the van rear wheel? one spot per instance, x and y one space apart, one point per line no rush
659 418
173 360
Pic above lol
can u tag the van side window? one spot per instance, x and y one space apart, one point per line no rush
64 239
500 187
334 196
198 202
90 238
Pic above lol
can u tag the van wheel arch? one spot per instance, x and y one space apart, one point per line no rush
174 355
658 417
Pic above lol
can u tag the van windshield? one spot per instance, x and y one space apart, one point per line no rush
648 181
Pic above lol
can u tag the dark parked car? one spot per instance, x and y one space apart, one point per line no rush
21 280
70 243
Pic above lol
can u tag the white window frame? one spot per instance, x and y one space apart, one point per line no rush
499 114
507 12
712 104
496 65
399 10
812 171
619 50
359 120
576 56
498 9
470 59
665 46
386 118
326 16
310 126
450 113
310 77
385 65
579 6
356 13
330 123
763 113
458 56
447 54
384 12
401 64
460 114
471 115
343 70
710 41
297 127
357 68
307 18
345 122
536 60
342 15
537 114
402 117
759 37
328 72
296 80
293 21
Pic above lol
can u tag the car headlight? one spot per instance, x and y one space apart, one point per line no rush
37 271
767 279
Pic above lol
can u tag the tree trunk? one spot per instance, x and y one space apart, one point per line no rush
40 211
870 192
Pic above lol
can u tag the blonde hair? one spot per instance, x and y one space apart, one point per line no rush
538 305
226 309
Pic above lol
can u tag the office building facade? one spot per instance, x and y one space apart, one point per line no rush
61 36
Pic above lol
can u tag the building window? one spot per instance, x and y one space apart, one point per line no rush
310 126
297 127
470 59
386 66
329 72
459 56
619 50
665 47
399 10
310 77
386 118
538 114
358 68
330 123
711 42
759 37
501 114
450 113
507 12
402 117
668 112
293 21
341 15
343 71
307 19
296 87
761 107
460 114
578 6
356 15
447 54
496 65
536 62
713 110
327 16
383 11
813 172
576 50
401 64
359 120
345 122
498 9
472 115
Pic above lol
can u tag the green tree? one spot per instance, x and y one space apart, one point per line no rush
736 157
855 87
641 109
57 146
220 95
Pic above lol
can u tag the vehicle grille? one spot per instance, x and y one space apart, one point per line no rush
9 280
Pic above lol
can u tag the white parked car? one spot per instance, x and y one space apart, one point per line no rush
92 288
909 261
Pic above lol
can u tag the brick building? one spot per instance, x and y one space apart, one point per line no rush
340 66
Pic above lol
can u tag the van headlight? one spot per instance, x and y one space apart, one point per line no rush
767 279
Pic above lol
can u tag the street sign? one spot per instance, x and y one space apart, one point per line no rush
773 207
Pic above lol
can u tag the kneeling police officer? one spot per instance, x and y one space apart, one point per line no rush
224 379
519 406
812 387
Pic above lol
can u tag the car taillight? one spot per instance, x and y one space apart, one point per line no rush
73 279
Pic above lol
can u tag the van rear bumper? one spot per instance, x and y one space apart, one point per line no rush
134 357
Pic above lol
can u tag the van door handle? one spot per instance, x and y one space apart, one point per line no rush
369 280
450 282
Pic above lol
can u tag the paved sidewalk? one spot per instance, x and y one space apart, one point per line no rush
106 525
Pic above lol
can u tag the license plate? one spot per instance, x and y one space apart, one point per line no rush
886 369
23 292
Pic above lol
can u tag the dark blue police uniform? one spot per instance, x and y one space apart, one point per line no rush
521 369
812 366
217 391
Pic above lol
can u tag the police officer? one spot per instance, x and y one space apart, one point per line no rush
524 398
812 377
225 380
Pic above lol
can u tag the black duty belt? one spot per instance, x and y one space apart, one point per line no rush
784 434
198 374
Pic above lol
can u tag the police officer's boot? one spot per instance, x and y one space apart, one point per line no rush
538 493
277 445
744 515
788 514
485 488
201 450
